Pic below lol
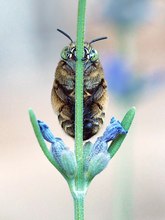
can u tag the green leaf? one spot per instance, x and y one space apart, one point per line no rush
126 123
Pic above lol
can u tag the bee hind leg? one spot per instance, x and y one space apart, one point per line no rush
68 127
91 127
66 119
93 120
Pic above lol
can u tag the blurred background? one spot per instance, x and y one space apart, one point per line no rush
132 187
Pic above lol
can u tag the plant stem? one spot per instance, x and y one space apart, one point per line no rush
79 207
79 94
79 184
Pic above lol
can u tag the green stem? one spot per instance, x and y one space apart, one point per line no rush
79 93
79 207
79 184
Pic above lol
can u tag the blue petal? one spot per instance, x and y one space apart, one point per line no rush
113 130
46 133
57 148
99 146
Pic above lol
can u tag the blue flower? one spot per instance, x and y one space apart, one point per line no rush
97 155
46 133
121 79
125 83
62 155
127 13
112 131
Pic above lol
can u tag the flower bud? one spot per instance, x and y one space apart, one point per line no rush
87 150
46 133
96 165
56 149
68 163
113 130
96 156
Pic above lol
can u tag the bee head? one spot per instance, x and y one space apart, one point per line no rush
69 52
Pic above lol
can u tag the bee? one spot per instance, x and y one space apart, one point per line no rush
95 89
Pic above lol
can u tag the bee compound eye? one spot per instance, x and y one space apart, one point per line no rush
94 55
65 53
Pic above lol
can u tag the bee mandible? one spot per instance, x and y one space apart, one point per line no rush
95 89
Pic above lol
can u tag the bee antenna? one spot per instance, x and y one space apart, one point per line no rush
66 35
97 39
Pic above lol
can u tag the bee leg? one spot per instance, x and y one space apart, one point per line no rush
97 93
66 119
64 97
91 127
93 119
68 127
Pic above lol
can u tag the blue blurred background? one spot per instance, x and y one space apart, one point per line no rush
132 187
